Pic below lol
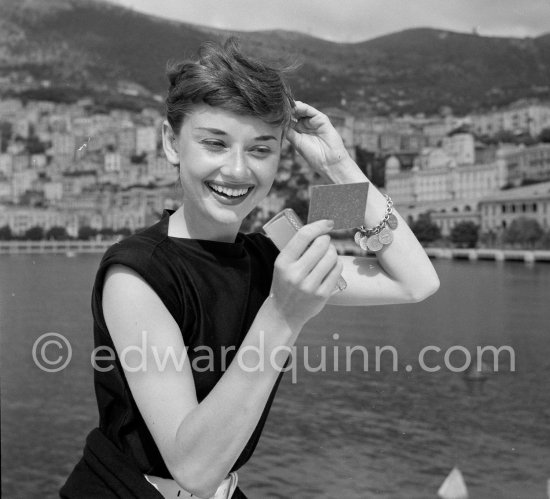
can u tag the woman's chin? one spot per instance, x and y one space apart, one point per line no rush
229 216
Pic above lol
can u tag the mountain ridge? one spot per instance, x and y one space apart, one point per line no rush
93 45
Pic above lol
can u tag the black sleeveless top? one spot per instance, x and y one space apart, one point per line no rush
213 291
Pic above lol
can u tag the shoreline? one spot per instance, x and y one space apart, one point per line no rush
68 247
344 247
347 247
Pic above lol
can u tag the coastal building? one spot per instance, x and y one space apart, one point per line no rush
460 147
526 164
444 181
5 191
9 108
158 167
344 123
20 219
501 208
133 219
448 183
126 140
53 191
21 182
113 161
38 162
6 165
63 144
146 139
520 117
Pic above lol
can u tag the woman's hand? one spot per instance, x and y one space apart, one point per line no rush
314 137
305 274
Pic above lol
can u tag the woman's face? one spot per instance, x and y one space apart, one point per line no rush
227 164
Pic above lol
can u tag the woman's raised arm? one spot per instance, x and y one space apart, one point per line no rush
401 271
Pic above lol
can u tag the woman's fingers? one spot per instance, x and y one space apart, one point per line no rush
329 285
322 267
308 118
304 237
313 255
303 110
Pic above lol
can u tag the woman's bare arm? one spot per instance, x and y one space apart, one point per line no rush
401 271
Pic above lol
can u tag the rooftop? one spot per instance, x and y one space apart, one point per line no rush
528 192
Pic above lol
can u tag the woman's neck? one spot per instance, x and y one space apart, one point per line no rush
182 224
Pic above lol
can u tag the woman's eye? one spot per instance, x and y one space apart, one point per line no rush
261 150
215 145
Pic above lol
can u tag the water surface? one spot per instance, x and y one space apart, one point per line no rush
352 434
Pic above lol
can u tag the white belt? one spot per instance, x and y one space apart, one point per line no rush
170 489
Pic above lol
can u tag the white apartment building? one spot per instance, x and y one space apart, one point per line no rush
519 117
526 163
146 139
344 123
63 144
53 191
460 147
112 162
158 167
6 165
5 191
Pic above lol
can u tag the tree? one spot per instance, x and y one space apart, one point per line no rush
86 232
424 229
524 231
35 233
6 129
545 240
5 233
465 234
138 159
107 232
544 135
123 231
57 233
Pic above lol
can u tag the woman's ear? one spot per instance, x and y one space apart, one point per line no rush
169 143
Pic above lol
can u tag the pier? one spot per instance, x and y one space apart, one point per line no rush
68 247
343 246
347 247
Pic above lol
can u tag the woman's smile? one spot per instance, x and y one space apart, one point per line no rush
228 193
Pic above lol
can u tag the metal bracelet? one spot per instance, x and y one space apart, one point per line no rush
375 238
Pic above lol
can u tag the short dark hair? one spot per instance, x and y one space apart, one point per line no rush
221 76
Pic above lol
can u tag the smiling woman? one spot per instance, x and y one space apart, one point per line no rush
174 422
227 163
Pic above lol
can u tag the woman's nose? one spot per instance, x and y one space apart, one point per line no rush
236 166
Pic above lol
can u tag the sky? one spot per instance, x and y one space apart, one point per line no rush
357 20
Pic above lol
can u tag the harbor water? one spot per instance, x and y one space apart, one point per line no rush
357 428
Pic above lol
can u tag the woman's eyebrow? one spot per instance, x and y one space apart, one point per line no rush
214 131
217 131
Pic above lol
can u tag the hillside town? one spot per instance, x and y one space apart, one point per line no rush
81 171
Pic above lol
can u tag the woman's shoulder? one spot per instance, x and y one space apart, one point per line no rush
140 245
144 254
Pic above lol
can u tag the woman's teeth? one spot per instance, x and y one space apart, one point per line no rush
234 193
